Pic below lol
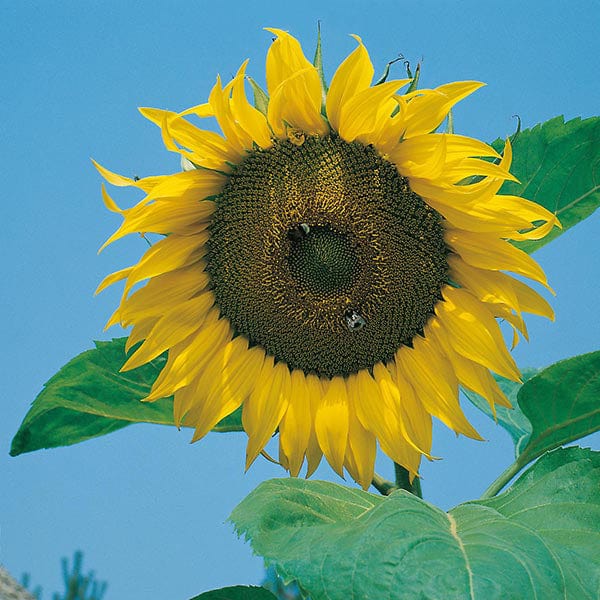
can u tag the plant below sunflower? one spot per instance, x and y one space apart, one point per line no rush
333 269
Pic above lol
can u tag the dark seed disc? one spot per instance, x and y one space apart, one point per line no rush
323 255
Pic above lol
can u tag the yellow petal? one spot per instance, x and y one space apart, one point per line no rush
110 204
139 332
532 212
416 420
426 111
358 115
146 183
456 171
530 301
470 374
474 333
206 148
284 59
314 454
351 77
479 217
165 217
113 278
197 184
170 253
495 286
361 450
250 119
485 252
234 134
171 329
294 429
187 359
434 383
418 148
296 103
513 319
227 380
433 165
265 407
162 293
450 194
400 404
488 286
331 424
379 418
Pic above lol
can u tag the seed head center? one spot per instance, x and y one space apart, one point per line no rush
321 254
321 259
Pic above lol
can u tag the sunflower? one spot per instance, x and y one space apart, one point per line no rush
330 263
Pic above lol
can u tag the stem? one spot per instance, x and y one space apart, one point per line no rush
499 483
403 481
383 486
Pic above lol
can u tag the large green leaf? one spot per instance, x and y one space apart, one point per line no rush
558 166
237 592
561 403
512 419
555 406
540 539
89 397
559 499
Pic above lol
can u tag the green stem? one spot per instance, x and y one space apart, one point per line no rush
383 486
403 481
499 483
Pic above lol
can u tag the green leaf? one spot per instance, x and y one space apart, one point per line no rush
89 397
386 70
559 499
512 419
561 403
540 539
261 100
558 165
238 592
318 64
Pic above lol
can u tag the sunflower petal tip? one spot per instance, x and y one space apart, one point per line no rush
128 366
275 31
196 437
477 84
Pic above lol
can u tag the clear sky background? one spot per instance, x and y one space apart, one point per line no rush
147 508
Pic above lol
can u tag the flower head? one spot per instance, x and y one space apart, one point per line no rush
335 266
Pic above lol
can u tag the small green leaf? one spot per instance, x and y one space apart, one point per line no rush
511 419
318 64
540 539
89 397
561 403
261 100
237 592
386 71
558 165
415 78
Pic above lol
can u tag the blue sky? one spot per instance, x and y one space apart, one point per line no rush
147 508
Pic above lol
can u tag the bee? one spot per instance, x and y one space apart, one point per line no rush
300 232
354 320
